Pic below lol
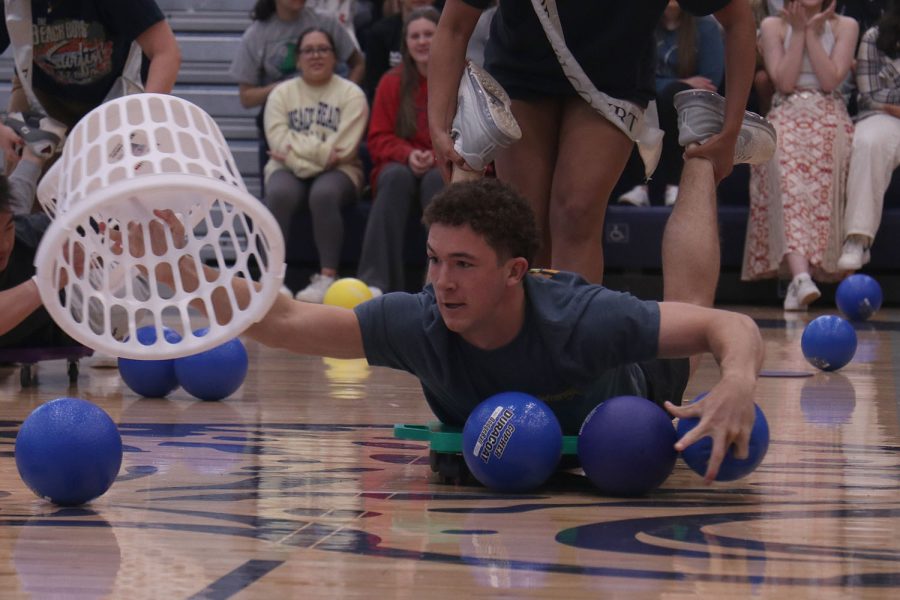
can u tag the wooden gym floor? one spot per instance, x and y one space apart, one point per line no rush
295 487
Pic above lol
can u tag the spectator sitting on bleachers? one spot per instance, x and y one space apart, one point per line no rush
383 44
81 51
344 11
314 124
797 198
266 55
400 146
876 141
690 54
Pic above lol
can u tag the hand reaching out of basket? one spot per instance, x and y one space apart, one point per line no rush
76 263
160 242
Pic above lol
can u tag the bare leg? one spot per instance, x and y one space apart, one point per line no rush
797 263
592 155
690 249
527 165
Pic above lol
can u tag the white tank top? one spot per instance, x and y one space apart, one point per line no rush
807 79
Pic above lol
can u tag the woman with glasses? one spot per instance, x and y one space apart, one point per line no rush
267 53
314 124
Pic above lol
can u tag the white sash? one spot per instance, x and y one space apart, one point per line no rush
641 126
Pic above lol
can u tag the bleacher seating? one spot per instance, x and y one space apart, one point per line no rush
209 31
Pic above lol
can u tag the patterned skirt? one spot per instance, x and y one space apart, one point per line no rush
797 198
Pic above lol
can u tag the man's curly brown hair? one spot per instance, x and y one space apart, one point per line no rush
493 210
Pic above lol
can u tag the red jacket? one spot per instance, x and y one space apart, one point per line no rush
384 145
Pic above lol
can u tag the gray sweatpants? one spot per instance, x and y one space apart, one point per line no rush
324 196
381 262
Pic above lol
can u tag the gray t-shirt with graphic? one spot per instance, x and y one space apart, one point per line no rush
268 48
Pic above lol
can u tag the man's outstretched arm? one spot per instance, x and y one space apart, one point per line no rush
298 327
726 413
17 303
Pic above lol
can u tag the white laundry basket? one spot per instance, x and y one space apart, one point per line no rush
123 160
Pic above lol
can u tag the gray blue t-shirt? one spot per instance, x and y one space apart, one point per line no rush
577 347
268 48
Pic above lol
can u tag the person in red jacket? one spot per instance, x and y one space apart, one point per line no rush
404 168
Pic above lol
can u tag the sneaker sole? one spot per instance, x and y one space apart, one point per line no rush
810 298
494 107
707 109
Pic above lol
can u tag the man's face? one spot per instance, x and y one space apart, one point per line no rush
470 283
7 238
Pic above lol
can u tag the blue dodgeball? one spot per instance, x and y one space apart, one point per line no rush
512 442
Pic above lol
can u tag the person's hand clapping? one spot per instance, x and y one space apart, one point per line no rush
817 23
795 14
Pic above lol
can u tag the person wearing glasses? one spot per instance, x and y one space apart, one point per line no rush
267 53
313 125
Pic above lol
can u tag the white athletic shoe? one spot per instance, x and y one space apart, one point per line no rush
701 115
315 291
854 254
483 121
101 360
376 291
801 292
636 196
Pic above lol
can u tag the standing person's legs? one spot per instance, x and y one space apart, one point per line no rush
328 194
527 165
381 260
592 155
690 247
285 194
875 155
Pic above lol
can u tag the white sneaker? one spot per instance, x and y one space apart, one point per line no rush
636 196
854 254
701 115
42 134
671 195
101 360
483 120
375 291
801 292
315 291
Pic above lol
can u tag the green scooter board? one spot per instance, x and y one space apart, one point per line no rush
445 449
